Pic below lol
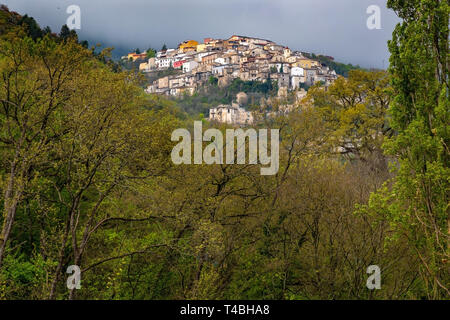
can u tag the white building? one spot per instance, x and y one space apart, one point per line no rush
199 56
296 81
189 66
164 62
221 60
230 114
297 71
160 54
218 70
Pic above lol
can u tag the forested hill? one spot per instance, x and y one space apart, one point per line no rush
9 20
12 22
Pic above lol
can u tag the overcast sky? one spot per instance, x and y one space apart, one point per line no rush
332 27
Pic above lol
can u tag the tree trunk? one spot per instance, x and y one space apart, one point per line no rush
60 263
11 201
10 213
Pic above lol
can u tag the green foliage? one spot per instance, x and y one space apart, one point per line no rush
31 26
86 178
66 33
151 53
211 95
266 87
22 277
213 81
354 110
103 148
416 200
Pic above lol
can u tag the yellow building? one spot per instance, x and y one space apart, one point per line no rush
306 63
143 66
135 56
291 59
188 45
201 47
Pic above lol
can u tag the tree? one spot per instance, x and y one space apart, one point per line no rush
354 112
65 32
417 202
213 81
47 30
164 47
151 53
103 160
86 178
31 26
67 151
29 115
85 43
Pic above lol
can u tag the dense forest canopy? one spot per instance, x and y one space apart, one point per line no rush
86 179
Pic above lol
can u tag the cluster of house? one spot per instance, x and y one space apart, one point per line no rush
235 114
231 114
241 57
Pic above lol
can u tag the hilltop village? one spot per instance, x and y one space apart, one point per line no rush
247 58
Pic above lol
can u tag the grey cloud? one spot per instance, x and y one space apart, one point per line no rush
332 27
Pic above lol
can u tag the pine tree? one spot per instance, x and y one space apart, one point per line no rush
65 32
